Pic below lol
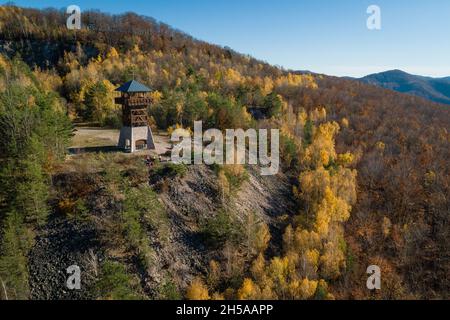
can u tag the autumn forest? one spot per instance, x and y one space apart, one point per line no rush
365 177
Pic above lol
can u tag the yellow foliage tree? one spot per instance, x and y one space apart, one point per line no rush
214 273
249 291
258 235
332 260
306 240
331 209
112 53
322 150
302 289
311 260
258 270
328 190
197 291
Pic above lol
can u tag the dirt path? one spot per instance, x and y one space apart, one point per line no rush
93 139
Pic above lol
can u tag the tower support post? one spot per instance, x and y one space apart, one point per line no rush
133 139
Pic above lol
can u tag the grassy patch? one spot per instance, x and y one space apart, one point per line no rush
218 230
115 283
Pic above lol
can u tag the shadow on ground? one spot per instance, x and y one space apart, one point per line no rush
107 149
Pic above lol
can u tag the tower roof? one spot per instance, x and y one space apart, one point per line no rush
133 87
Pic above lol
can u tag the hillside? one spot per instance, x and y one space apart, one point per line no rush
434 89
178 252
365 174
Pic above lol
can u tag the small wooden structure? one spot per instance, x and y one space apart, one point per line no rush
135 133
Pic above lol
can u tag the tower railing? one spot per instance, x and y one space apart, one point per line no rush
133 101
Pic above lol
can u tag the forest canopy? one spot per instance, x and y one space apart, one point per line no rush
369 167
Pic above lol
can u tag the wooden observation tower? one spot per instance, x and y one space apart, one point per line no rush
135 134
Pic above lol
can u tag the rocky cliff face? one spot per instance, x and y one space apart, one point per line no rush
188 200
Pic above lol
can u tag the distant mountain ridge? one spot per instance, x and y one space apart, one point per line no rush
434 89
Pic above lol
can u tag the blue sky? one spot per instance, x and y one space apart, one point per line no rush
327 36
